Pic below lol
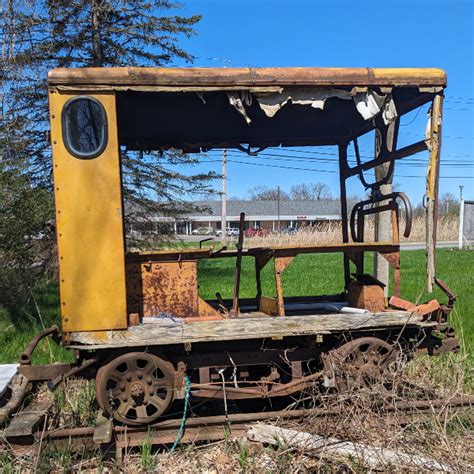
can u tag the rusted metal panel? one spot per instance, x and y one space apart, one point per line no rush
370 297
121 76
268 305
43 372
163 289
207 311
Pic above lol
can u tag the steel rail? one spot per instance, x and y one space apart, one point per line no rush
218 427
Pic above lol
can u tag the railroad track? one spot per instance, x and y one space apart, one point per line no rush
209 428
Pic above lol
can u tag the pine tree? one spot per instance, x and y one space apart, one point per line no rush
45 34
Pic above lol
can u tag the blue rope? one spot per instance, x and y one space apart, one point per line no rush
187 388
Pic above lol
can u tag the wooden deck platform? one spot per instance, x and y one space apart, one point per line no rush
165 331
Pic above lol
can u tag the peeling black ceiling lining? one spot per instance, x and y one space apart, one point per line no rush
192 122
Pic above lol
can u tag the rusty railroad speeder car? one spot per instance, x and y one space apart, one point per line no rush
137 321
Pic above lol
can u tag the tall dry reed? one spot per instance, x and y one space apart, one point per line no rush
330 233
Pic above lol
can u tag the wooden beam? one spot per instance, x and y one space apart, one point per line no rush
432 189
372 457
167 331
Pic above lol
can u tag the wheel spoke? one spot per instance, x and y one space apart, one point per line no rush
124 407
116 376
161 383
142 415
114 393
158 402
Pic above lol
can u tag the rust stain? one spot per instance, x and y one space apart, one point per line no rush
155 288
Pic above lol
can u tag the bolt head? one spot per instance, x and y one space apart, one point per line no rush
129 378
124 398
140 376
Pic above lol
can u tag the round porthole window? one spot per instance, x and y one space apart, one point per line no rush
84 127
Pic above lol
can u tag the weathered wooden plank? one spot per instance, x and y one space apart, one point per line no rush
25 422
167 331
372 457
299 76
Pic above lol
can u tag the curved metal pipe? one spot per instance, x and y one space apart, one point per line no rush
408 213
25 357
383 197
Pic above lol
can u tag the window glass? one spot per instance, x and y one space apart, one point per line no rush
84 127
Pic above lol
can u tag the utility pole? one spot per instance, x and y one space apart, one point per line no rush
461 218
224 199
278 209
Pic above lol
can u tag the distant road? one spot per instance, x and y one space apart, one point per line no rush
421 245
404 246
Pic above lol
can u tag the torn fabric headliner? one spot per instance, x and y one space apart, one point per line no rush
202 108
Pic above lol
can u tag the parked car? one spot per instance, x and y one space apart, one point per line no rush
231 232
202 231
289 230
254 232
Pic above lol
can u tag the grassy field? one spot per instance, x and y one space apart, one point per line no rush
321 274
308 274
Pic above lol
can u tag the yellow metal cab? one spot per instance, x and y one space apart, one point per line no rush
137 318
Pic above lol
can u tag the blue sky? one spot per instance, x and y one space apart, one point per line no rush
338 33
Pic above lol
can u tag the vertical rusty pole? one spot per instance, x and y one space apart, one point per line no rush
238 266
224 200
432 185
343 166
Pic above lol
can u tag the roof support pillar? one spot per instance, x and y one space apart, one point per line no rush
343 170
432 188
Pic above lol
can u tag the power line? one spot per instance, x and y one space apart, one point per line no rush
411 161
280 157
321 171
314 152
443 136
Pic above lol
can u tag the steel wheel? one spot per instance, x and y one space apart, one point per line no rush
135 388
362 362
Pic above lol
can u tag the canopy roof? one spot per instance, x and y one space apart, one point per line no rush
297 76
202 108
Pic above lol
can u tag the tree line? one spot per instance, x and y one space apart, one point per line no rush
35 37
448 204
298 192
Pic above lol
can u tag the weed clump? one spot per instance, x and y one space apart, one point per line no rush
75 404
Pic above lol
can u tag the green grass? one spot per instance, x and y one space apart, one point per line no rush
322 274
307 275
19 326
